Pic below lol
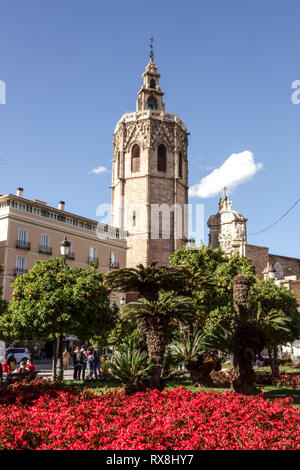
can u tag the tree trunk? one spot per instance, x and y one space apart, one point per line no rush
243 373
244 354
60 368
273 361
142 329
54 359
157 337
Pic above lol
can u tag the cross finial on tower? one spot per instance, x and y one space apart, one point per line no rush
225 194
151 48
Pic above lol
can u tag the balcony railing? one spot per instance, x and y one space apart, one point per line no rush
23 245
94 261
20 271
113 265
46 250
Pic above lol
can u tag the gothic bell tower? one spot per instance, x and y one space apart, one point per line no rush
150 176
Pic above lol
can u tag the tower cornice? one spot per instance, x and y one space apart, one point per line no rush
150 114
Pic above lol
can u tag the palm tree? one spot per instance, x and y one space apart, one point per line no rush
147 281
254 330
156 316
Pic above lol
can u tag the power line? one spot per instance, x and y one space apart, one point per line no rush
276 221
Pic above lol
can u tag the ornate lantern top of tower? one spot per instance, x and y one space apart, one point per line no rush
150 95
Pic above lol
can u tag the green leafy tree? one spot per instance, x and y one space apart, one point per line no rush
3 304
53 299
263 315
216 271
278 303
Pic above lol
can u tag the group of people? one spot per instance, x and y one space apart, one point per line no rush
86 359
10 367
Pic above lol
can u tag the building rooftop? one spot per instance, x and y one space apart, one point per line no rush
40 208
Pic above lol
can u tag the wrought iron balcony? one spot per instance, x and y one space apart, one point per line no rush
23 245
94 261
46 250
20 271
113 265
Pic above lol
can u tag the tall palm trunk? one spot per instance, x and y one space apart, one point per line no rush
157 338
243 373
142 329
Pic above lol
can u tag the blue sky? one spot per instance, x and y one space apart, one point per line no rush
73 67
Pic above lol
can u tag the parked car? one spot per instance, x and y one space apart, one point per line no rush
19 353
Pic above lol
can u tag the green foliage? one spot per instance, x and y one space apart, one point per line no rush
219 271
189 348
130 367
3 305
53 298
147 281
177 307
272 309
272 312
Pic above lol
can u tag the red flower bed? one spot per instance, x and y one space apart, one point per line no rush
261 378
53 418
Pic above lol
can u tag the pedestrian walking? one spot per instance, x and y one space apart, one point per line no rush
83 361
97 369
77 363
66 358
91 363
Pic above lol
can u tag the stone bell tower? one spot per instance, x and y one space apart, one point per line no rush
228 228
150 176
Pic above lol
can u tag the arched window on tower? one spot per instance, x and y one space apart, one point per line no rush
180 165
162 158
151 103
152 83
135 158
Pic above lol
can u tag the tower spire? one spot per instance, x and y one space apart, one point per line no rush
151 48
150 95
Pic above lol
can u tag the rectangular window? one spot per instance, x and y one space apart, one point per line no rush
113 259
92 254
45 241
22 237
20 268
71 254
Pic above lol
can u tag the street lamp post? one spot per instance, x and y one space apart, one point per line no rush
64 251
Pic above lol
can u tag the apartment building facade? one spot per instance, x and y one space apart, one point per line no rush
31 230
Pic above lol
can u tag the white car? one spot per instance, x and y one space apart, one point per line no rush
19 353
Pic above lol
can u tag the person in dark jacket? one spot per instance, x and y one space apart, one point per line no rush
77 362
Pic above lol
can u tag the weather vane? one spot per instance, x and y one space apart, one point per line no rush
151 48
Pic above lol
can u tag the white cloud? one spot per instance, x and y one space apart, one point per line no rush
237 169
99 170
